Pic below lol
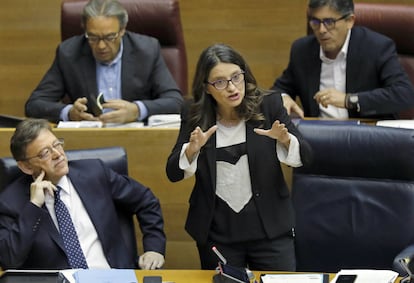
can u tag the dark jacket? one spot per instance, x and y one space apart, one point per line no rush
144 76
270 192
30 240
373 71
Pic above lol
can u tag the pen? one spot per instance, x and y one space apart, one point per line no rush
220 256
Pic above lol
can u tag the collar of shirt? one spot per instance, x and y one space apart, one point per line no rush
64 184
341 55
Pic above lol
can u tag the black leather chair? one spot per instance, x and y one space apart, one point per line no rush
114 157
355 203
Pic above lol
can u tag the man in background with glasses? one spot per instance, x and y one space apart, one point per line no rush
30 234
343 71
127 68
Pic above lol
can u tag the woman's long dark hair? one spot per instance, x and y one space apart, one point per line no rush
203 111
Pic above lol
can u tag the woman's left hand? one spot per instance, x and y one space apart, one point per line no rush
278 132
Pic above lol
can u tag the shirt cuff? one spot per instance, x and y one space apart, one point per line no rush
290 156
64 114
143 111
189 168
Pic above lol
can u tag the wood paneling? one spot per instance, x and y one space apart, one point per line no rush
261 30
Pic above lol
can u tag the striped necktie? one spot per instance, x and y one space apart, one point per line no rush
67 231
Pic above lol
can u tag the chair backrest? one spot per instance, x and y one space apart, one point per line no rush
157 18
114 157
395 21
355 203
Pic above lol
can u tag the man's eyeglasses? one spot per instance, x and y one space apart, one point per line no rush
329 23
222 84
46 153
109 38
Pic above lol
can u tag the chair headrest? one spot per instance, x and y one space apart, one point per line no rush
386 152
393 20
156 18
114 157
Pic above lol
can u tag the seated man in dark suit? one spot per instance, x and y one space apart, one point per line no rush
31 235
126 67
344 71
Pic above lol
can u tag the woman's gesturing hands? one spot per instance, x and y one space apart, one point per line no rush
198 139
278 132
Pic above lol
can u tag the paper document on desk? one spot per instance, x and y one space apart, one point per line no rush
369 275
405 124
164 121
105 276
294 278
98 124
79 124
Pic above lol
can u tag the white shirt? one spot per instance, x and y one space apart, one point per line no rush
290 156
88 237
333 75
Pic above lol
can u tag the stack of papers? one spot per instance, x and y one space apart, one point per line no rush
97 276
294 278
165 121
405 124
369 275
98 124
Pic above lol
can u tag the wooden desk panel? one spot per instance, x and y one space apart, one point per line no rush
147 150
190 276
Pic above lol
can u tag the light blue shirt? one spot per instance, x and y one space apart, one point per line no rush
108 77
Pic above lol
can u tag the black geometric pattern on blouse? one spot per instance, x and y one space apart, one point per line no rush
232 153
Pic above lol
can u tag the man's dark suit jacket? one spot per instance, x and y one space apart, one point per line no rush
373 71
30 240
270 192
144 76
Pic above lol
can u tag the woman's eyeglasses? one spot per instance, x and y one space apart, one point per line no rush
223 84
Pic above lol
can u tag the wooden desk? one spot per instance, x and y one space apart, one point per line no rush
147 150
189 276
199 276
193 276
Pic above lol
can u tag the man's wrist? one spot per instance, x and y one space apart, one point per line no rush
352 102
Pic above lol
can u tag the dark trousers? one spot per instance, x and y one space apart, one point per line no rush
275 254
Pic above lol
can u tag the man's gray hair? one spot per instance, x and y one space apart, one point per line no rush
105 8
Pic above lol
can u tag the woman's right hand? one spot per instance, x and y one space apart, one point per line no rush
198 139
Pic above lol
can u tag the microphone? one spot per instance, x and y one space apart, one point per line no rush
235 274
219 255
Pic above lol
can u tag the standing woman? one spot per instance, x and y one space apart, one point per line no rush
232 137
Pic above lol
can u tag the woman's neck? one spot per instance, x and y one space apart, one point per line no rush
228 119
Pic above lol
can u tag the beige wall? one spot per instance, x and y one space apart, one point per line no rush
261 30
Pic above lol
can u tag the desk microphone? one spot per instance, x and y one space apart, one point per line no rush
235 274
219 255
